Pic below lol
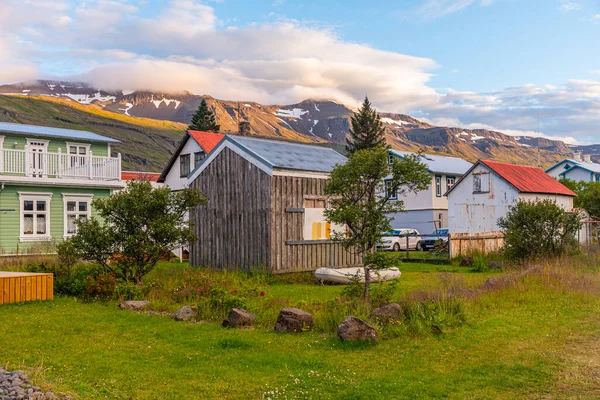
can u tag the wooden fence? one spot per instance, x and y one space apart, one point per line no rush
462 244
17 287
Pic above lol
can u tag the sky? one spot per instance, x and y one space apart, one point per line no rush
523 67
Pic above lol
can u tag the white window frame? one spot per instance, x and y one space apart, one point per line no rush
78 145
438 186
67 197
41 141
32 196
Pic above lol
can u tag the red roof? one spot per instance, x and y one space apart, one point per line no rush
206 140
528 179
139 176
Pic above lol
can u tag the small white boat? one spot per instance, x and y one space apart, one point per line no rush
347 275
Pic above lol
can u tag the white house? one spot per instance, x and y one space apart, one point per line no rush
194 146
192 149
489 188
428 210
576 169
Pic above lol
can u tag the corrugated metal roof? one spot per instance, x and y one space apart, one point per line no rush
443 164
589 166
528 179
139 175
206 140
53 132
291 155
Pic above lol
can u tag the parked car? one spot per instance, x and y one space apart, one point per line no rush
396 240
440 236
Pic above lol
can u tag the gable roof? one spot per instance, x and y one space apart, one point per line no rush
440 164
139 175
206 140
22 129
528 179
269 154
591 167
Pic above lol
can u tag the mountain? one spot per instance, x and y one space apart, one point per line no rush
314 120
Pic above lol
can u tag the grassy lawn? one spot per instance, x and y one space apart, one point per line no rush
536 338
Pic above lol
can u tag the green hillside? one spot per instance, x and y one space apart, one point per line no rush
146 144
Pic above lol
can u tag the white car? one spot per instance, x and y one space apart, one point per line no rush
396 240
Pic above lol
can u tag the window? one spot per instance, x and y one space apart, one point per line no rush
567 166
438 186
35 216
75 207
481 182
315 225
450 181
198 157
391 194
184 164
78 153
390 159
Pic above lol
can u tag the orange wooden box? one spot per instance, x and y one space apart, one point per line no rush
16 287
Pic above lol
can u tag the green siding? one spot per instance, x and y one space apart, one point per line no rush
10 220
18 142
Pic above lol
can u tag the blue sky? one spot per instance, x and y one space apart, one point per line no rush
497 64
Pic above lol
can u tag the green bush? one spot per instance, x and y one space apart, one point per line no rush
539 229
101 286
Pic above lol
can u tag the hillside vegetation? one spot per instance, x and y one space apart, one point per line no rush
146 144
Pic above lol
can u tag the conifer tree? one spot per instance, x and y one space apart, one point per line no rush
367 130
204 119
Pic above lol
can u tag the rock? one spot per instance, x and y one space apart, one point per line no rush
293 320
388 313
238 318
495 265
467 262
353 329
49 395
492 283
185 313
134 305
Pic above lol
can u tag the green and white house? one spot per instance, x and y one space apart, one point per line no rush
48 179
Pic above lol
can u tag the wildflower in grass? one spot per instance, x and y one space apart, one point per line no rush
262 293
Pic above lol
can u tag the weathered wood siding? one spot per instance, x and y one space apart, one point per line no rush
233 229
466 244
288 192
17 287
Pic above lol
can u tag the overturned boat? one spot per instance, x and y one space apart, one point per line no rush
347 275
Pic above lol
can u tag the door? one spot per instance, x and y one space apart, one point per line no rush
37 158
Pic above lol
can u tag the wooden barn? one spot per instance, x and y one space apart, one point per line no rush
265 207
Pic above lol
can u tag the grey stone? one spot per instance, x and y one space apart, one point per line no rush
239 318
353 329
49 395
134 305
495 265
467 262
185 313
388 313
293 320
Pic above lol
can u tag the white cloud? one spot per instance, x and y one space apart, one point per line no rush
568 6
438 8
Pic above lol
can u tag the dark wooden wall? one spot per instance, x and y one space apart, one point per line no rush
287 197
233 229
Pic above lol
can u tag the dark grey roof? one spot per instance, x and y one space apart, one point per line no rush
441 164
288 155
53 132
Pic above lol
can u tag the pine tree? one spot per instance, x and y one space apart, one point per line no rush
204 119
367 130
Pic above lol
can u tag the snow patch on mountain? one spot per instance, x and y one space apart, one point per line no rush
391 121
293 113
125 110
88 99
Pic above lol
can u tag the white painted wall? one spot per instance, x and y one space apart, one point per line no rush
173 179
579 174
558 169
472 213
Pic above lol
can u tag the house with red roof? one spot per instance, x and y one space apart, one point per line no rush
151 177
194 146
487 191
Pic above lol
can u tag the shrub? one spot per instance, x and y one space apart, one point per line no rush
102 286
125 291
479 265
68 255
537 229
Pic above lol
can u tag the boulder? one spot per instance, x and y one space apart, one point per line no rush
492 283
135 305
495 265
185 313
239 318
353 329
389 313
293 320
467 262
